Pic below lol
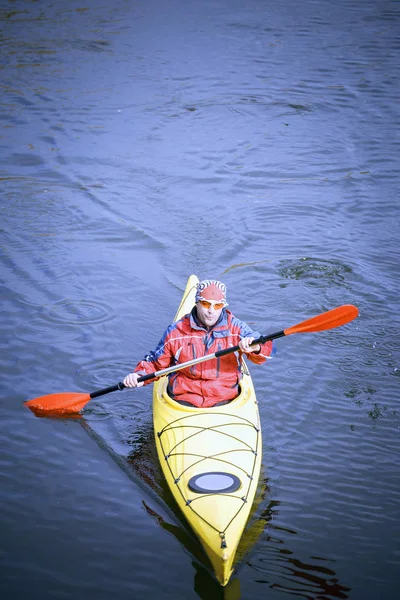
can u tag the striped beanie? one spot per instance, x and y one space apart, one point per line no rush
210 289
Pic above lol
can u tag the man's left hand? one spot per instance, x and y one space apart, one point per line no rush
245 345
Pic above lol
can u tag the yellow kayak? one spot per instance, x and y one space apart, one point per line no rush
211 459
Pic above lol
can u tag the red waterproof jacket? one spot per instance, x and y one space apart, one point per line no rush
214 380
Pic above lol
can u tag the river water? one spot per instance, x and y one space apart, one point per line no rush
255 142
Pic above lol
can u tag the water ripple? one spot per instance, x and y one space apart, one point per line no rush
77 312
316 272
38 331
101 373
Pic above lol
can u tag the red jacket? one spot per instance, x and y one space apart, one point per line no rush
214 380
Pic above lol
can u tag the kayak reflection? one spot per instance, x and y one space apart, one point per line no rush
312 579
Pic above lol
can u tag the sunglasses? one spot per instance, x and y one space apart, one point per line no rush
215 305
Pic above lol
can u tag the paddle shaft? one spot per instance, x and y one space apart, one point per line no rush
185 365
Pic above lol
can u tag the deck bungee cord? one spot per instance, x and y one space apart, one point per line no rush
241 447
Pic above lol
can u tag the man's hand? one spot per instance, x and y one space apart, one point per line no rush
245 345
131 380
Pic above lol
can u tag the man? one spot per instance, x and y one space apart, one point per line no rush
208 328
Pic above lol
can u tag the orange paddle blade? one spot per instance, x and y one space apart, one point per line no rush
65 402
328 320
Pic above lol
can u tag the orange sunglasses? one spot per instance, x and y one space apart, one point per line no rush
215 305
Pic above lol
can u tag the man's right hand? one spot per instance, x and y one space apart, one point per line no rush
131 380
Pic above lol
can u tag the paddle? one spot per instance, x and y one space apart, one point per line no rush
71 402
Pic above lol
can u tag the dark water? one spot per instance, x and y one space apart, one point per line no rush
253 142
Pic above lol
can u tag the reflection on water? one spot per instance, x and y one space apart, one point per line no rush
276 564
279 569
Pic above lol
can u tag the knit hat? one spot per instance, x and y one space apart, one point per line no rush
209 289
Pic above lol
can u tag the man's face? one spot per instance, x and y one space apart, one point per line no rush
209 312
